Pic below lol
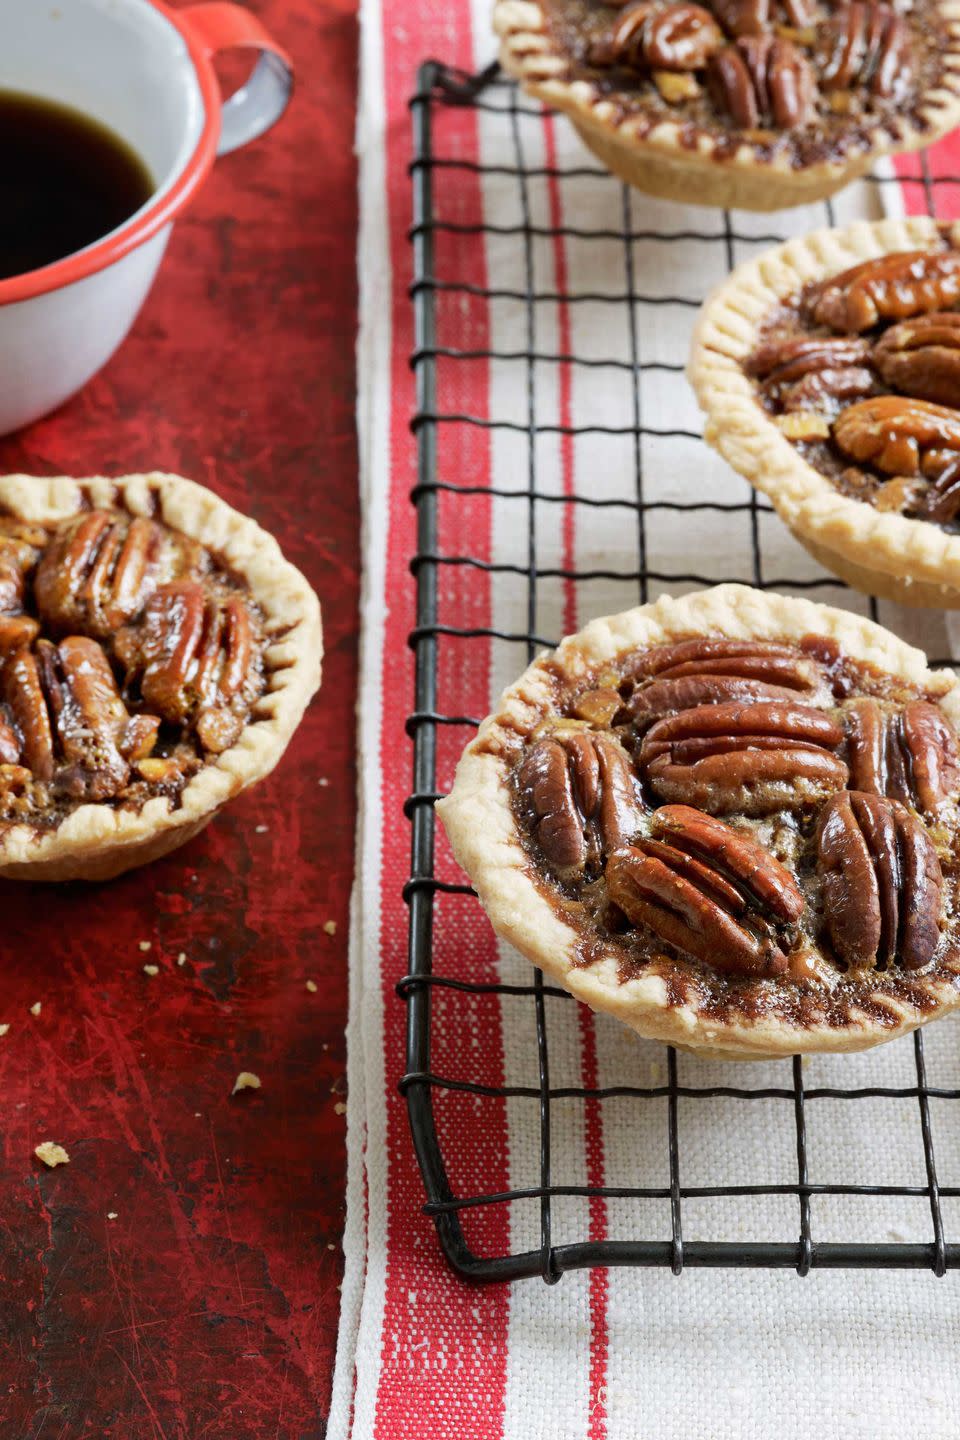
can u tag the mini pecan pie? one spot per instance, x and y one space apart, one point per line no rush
829 370
731 820
156 655
752 103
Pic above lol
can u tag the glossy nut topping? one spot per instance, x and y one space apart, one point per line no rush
899 436
794 839
761 80
752 758
672 678
581 795
713 893
127 658
682 37
882 883
864 368
921 357
648 36
98 571
892 287
799 373
192 657
906 753
74 728
864 45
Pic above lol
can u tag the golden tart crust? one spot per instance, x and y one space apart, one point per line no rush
713 166
771 1007
96 841
880 552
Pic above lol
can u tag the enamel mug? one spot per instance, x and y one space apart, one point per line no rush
146 72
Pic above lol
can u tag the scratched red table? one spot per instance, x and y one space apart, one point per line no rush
179 1277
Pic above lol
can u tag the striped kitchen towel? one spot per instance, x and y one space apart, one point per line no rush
602 1354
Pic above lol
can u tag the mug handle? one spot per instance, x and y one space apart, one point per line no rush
259 104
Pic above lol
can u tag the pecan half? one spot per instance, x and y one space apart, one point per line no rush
21 545
921 357
892 287
192 656
899 436
710 891
677 37
940 502
100 569
760 80
797 372
71 724
623 45
864 46
755 659
753 17
689 673
577 789
743 17
882 883
682 37
753 758
909 754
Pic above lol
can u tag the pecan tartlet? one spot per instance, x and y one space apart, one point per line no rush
829 370
753 103
731 820
156 655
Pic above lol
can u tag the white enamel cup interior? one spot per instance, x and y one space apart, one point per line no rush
123 63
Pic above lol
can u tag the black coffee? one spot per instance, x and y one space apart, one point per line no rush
65 181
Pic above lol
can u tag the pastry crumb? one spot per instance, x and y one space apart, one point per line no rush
52 1154
312 986
151 969
111 1214
262 829
323 781
3 1030
35 1009
246 1080
146 945
330 927
182 958
339 1108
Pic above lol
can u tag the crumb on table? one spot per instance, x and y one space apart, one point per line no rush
51 1154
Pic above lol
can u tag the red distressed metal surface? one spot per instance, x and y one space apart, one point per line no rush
207 1307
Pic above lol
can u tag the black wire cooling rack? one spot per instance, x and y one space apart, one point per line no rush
650 1243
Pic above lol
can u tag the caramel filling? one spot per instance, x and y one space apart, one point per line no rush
129 657
764 825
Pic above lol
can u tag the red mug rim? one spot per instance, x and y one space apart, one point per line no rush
158 212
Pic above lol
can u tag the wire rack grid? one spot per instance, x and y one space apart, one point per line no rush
656 1228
